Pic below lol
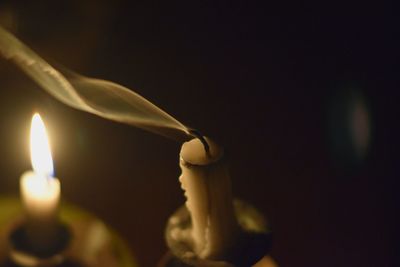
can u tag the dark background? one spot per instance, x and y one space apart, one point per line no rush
277 84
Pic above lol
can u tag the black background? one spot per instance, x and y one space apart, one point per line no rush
270 82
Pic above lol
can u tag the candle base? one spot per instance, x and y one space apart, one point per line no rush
23 252
250 247
84 240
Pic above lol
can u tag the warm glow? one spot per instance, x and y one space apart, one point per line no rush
41 159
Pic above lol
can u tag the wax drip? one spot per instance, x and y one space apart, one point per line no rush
197 134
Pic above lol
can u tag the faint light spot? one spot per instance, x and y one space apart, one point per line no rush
349 127
360 128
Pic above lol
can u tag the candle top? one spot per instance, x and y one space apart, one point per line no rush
193 152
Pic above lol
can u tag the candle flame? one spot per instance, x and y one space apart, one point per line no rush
41 159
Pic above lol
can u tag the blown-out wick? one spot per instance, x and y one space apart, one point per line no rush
198 135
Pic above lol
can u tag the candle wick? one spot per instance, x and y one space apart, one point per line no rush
198 135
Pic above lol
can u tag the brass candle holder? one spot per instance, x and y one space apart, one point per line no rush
251 248
85 241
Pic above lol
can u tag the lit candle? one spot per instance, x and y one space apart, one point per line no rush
207 186
40 191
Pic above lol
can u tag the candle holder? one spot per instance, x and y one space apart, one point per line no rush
250 249
84 240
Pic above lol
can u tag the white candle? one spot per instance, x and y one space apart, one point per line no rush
40 191
207 186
